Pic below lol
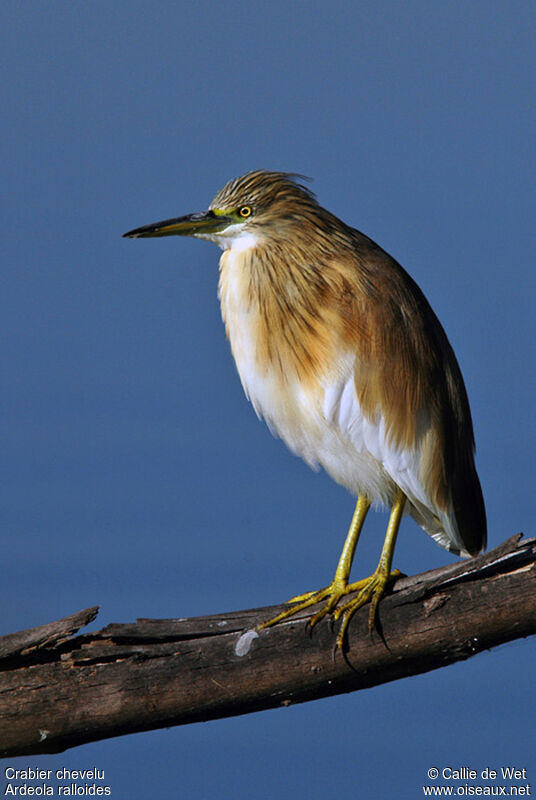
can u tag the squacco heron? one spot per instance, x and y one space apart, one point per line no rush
340 352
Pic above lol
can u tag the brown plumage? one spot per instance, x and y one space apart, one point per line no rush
340 352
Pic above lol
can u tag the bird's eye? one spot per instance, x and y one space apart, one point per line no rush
245 211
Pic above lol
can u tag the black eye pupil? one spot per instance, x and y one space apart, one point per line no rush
245 211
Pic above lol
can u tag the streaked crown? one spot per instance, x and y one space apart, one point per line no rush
269 197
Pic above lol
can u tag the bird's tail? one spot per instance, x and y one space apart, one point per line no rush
462 529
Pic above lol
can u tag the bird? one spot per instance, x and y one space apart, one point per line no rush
341 354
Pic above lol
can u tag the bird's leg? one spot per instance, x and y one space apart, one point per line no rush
342 573
372 588
339 585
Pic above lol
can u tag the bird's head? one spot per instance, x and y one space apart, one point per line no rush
244 212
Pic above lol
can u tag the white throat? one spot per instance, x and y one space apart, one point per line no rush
236 238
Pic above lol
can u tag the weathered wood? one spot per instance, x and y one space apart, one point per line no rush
45 636
58 691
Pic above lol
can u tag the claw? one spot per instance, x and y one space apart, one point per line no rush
370 590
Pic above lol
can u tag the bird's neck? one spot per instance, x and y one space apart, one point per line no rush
280 311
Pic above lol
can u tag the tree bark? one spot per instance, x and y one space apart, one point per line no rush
59 690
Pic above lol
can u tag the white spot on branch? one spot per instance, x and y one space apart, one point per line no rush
243 645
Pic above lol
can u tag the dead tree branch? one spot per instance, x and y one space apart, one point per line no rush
58 690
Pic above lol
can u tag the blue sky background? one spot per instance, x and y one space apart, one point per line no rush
135 475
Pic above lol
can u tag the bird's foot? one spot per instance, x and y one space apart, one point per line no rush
332 594
370 589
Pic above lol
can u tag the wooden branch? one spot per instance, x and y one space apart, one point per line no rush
58 690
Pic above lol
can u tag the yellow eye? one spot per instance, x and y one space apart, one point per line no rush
245 211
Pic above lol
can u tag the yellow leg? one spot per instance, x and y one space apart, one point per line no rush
342 573
338 586
370 589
